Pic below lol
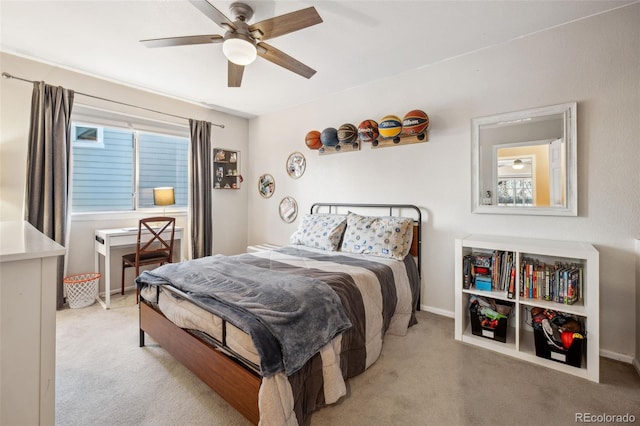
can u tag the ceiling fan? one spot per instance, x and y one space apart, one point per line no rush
242 42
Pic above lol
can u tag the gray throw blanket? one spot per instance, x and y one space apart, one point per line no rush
289 318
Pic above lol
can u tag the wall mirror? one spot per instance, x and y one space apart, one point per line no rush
525 162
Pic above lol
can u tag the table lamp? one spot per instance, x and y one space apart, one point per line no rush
163 196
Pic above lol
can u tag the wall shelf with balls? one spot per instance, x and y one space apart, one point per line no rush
391 131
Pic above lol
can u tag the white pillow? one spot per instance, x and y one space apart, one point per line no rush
385 236
322 231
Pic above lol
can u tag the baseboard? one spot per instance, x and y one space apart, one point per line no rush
117 290
636 365
627 359
437 311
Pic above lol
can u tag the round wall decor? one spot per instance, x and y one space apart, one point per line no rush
288 209
296 165
266 185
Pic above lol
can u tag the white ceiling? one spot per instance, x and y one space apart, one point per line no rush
358 42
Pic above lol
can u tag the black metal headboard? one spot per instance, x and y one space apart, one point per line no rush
333 208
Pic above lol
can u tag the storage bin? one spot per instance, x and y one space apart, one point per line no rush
81 289
571 356
498 333
483 285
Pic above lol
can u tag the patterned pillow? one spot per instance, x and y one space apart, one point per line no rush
322 231
380 236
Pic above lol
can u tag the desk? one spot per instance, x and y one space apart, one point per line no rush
105 239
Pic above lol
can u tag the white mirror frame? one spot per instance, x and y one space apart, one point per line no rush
569 112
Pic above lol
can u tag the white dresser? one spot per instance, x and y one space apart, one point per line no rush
28 262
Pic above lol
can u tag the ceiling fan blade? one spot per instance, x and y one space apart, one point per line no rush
278 57
214 14
284 24
234 74
183 41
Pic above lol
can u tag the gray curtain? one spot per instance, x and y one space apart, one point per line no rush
201 184
48 166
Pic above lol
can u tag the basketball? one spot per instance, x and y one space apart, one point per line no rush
347 133
329 137
415 122
390 126
313 140
368 131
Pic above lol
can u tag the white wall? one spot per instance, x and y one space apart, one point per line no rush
594 62
636 360
230 207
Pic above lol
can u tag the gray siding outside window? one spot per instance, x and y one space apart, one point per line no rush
163 162
104 177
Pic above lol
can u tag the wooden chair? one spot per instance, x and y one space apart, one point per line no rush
151 247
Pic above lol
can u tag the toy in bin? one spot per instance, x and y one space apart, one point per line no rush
489 317
558 336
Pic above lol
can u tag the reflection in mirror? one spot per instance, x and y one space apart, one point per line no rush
525 162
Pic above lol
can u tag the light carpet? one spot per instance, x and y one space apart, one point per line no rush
424 378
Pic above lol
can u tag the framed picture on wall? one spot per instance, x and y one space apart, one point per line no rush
266 185
288 209
296 165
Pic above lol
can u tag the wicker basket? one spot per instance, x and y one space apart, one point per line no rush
82 289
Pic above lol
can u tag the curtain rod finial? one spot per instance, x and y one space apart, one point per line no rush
6 75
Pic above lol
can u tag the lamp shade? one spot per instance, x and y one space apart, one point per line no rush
163 196
239 51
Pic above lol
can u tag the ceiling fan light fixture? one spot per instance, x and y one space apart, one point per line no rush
239 50
518 164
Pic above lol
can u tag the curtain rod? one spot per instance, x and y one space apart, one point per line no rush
9 76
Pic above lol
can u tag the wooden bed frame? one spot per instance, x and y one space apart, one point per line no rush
234 382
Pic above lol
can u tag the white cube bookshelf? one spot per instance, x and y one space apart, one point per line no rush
520 339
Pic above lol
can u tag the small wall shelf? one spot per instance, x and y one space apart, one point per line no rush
520 335
340 148
226 169
400 140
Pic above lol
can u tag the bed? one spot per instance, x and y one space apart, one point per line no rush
242 323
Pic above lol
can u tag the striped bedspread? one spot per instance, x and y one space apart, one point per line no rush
378 296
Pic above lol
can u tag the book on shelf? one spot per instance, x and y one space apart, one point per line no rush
467 271
494 271
511 294
560 282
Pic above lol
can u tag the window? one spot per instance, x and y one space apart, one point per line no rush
120 172
515 181
87 135
162 162
515 192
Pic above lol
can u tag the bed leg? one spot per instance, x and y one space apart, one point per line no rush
141 337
